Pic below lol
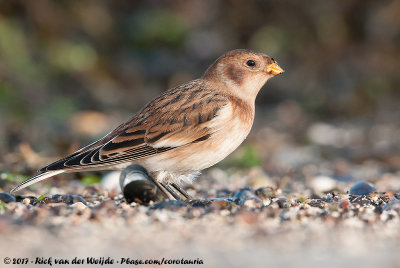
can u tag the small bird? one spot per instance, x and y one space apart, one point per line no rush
186 129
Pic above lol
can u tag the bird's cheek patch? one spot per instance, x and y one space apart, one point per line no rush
235 74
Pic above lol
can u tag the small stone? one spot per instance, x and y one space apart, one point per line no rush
253 203
106 205
222 203
137 186
323 184
26 201
223 193
110 181
344 204
7 198
319 203
362 188
169 205
79 205
265 193
199 203
67 198
283 202
246 197
393 204
56 205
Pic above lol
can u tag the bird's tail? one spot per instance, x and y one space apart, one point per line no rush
36 178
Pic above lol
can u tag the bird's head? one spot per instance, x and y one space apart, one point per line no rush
243 71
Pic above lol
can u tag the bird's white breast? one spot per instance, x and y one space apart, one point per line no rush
229 131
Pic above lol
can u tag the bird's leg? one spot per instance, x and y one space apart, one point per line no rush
171 191
160 187
182 191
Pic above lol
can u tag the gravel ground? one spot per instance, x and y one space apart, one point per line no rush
337 205
260 227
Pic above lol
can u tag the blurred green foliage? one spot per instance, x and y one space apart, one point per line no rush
3 206
246 157
157 28
90 180
58 58
16 178
40 198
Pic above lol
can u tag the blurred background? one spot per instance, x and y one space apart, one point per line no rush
71 71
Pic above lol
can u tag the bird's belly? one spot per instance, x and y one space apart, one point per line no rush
197 156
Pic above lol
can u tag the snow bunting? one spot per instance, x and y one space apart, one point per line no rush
186 129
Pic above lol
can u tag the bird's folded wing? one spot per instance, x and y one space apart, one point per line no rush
164 124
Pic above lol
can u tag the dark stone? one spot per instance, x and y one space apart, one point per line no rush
137 186
244 194
362 188
170 205
7 198
201 203
283 202
140 191
67 198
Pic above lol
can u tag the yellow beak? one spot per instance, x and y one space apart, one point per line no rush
274 69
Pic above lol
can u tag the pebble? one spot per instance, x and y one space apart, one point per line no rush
7 198
393 204
246 197
141 191
198 203
79 206
362 188
223 193
266 193
317 203
110 181
253 203
17 209
67 198
169 205
26 201
222 203
322 184
136 185
283 202
344 204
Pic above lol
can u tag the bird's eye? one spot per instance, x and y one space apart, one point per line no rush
251 63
